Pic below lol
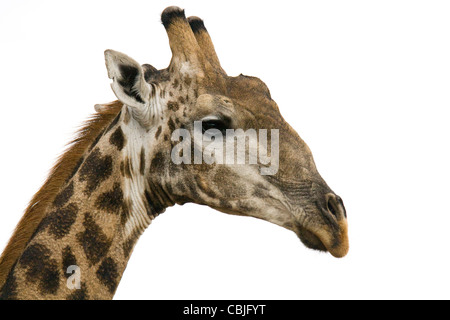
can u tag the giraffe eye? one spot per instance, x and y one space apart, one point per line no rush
219 124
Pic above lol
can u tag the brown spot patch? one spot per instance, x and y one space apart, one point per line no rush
108 274
68 259
41 268
122 169
117 138
173 106
79 294
127 167
64 196
61 220
95 170
175 83
111 201
93 241
125 212
171 125
158 132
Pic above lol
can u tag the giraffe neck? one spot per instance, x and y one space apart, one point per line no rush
82 245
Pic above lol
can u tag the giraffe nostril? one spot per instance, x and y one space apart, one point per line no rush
335 206
331 207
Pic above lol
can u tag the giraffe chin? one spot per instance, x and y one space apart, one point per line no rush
337 246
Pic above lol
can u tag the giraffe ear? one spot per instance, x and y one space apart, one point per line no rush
128 83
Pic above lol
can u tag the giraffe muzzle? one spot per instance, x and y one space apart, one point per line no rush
332 233
335 235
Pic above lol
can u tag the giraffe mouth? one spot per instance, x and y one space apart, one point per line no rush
309 239
335 242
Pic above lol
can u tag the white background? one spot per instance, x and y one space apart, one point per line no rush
365 83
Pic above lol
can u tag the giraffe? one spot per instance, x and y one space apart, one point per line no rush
118 174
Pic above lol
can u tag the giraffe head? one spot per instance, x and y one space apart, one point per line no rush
178 113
